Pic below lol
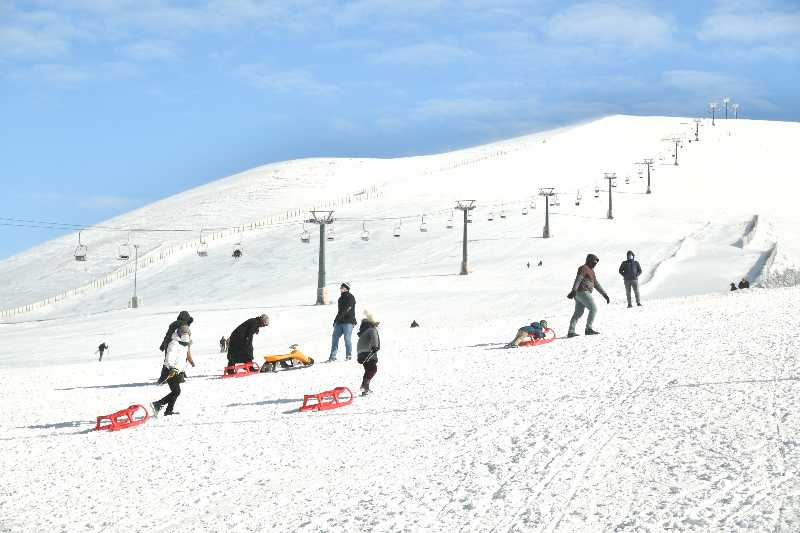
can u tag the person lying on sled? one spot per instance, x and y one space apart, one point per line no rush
535 331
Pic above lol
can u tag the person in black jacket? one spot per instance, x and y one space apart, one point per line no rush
100 349
240 343
344 323
630 272
744 284
184 318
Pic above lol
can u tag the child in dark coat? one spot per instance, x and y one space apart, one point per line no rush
369 343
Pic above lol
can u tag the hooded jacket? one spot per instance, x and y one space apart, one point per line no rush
630 269
183 318
240 343
368 338
585 280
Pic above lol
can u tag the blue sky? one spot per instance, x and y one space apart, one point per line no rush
108 105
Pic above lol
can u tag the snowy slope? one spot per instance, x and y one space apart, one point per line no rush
677 417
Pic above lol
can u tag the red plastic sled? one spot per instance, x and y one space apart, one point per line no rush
122 419
240 370
327 400
550 336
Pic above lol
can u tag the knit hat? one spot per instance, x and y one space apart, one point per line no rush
345 285
264 319
370 318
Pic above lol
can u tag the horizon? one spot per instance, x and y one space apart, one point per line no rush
109 108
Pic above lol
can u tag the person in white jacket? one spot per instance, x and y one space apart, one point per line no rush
179 352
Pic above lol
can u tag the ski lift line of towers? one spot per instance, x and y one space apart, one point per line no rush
164 252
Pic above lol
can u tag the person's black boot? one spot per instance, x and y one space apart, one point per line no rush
591 332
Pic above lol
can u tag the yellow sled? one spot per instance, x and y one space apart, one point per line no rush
294 358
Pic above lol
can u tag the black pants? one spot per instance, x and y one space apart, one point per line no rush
174 391
370 369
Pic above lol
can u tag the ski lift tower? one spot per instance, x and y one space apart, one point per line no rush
726 101
135 299
649 163
465 206
321 218
610 176
548 193
697 122
735 110
713 108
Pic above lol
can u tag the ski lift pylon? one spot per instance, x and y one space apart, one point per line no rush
450 221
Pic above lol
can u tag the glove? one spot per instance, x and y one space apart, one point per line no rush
608 300
571 295
192 363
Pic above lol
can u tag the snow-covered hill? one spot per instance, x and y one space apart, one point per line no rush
677 417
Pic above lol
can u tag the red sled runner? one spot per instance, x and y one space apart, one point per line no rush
327 400
240 370
549 336
127 418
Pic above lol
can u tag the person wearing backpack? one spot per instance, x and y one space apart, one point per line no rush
184 318
630 272
178 353
369 343
534 330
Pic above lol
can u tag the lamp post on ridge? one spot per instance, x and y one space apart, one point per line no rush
321 218
466 206
547 192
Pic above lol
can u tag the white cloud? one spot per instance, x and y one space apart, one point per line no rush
295 80
606 23
710 83
751 27
60 75
152 50
424 55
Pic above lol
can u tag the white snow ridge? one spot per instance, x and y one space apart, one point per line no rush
680 416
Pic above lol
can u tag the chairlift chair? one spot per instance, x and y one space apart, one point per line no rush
627 180
238 250
525 210
396 231
305 236
502 213
124 251
202 248
490 217
596 191
331 234
81 250
423 227
450 222
578 198
469 218
364 232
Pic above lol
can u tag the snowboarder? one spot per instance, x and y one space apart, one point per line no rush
585 283
343 323
535 330
240 342
237 253
100 349
630 272
184 318
369 343
744 284
223 344
179 351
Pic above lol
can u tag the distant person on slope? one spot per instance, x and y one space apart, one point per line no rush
179 351
744 284
630 272
183 319
100 349
535 330
223 344
733 286
240 343
369 343
585 283
344 323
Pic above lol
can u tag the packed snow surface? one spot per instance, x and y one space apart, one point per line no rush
680 415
